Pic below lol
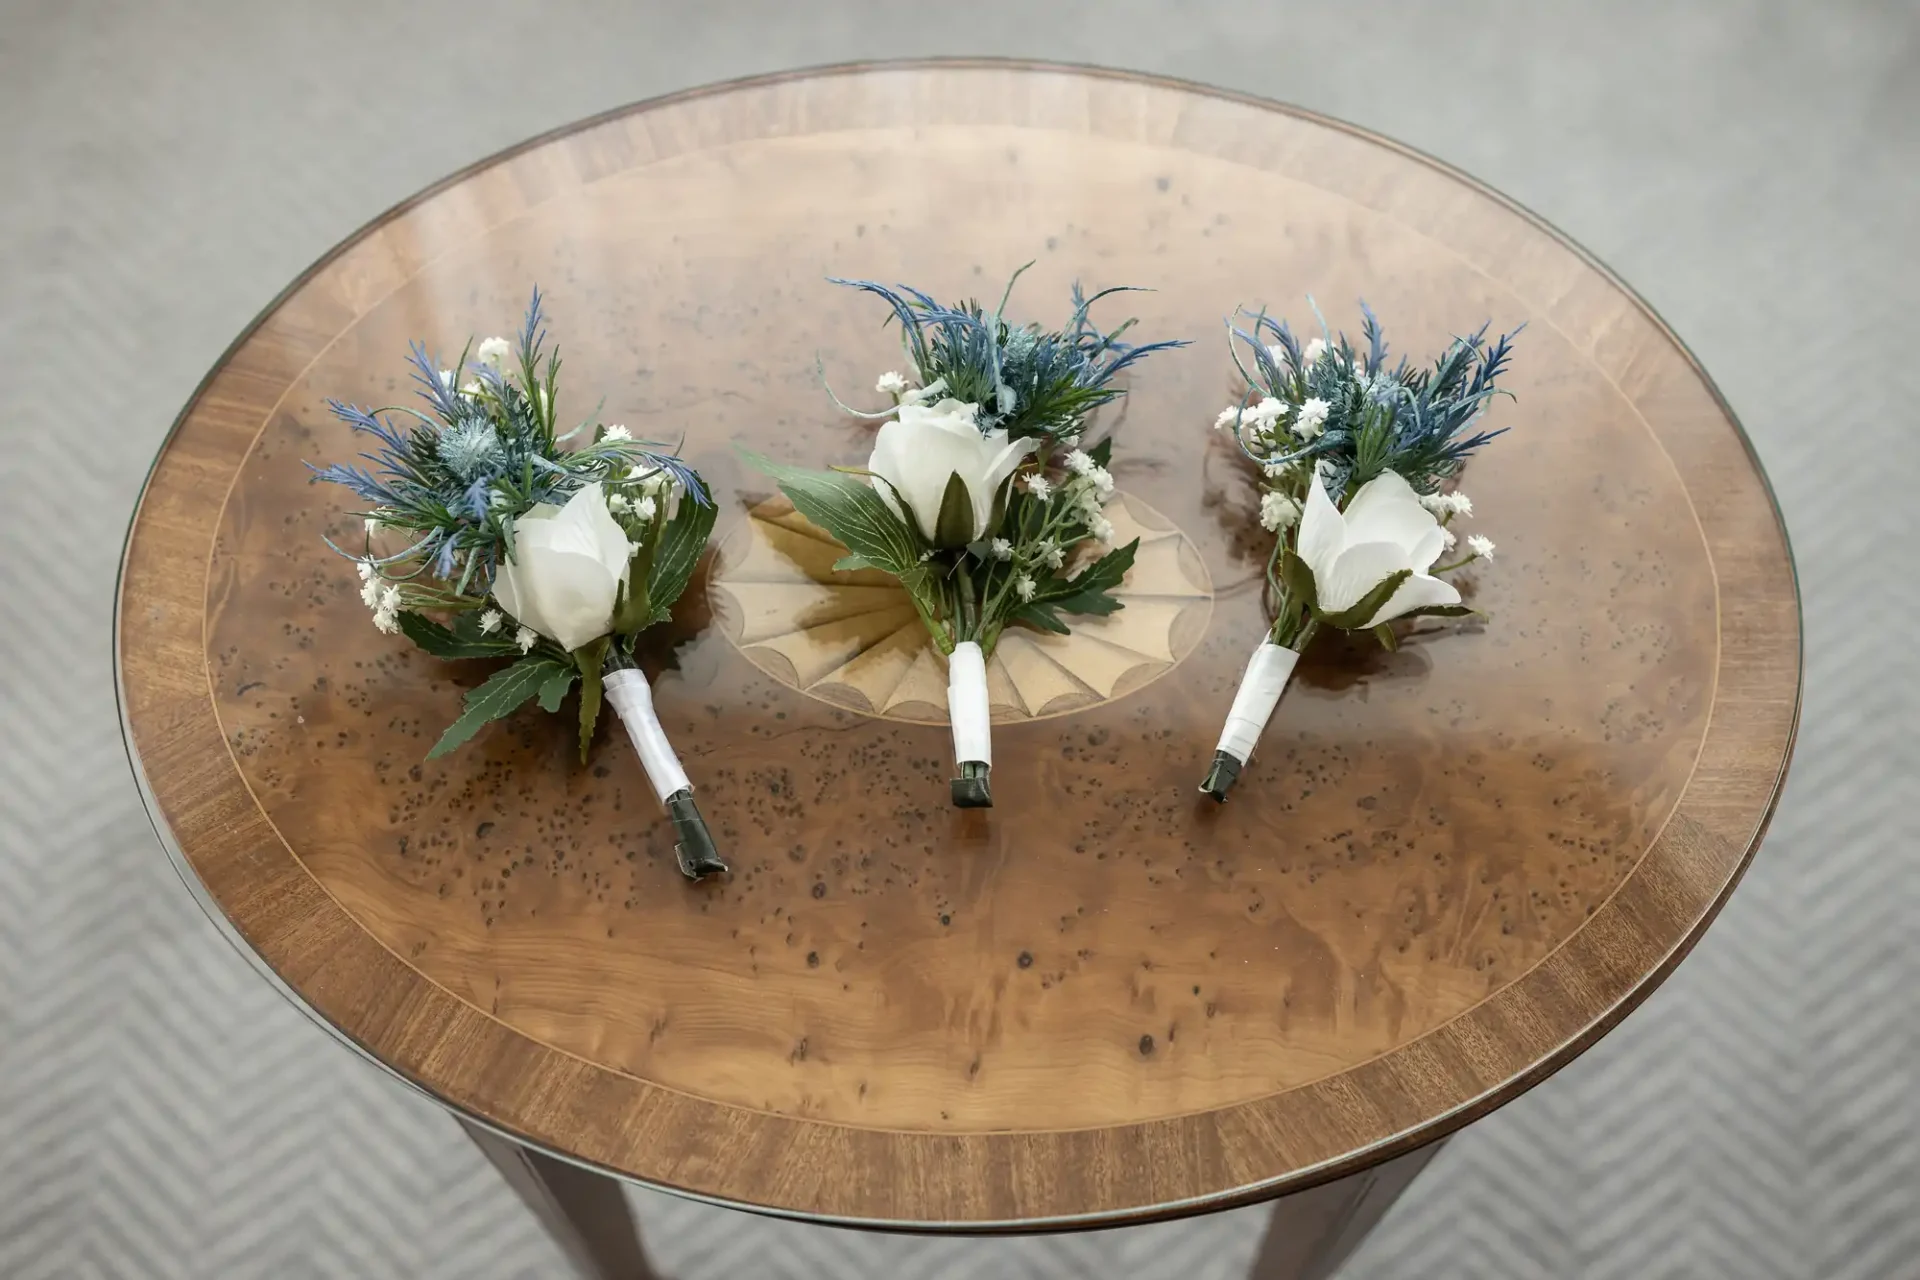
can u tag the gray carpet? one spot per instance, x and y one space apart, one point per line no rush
165 168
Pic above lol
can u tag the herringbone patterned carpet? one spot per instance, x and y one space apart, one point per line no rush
166 167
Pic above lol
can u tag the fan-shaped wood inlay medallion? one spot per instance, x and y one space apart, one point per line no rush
852 638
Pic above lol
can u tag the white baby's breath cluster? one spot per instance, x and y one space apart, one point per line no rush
380 596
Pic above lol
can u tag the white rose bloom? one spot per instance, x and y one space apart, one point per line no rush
494 351
567 569
1383 530
918 455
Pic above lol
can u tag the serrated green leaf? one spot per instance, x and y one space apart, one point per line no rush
503 693
556 687
463 639
681 545
1356 617
853 513
1041 616
1094 603
1092 582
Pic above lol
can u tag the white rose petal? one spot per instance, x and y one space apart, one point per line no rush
920 453
1383 530
567 569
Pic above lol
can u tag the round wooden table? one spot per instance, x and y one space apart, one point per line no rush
1448 870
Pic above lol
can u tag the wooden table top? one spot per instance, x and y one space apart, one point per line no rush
1447 871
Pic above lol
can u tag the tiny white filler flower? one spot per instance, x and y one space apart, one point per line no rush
1038 486
1311 421
493 351
1312 352
891 384
1101 528
1048 552
1278 511
1229 418
526 638
645 508
490 622
1023 587
616 432
1482 547
1001 548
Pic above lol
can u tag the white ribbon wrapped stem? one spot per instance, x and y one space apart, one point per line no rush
967 704
632 697
1259 693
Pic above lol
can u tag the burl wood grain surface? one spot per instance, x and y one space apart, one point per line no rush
1446 870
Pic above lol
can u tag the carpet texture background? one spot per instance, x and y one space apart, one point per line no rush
1753 168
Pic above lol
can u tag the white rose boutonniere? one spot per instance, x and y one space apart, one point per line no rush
582 548
1350 454
938 506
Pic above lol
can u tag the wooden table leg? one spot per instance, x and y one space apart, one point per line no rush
585 1212
1312 1232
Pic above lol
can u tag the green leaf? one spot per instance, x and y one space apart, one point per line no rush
1298 579
1355 618
463 639
503 693
1442 611
1384 634
556 687
1086 592
681 544
955 523
1102 453
588 658
1041 616
853 513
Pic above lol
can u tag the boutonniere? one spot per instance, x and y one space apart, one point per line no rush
982 495
1353 458
488 534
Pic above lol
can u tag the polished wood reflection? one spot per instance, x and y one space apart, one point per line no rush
1446 869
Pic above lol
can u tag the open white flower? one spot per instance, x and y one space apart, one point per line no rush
567 568
944 468
1480 545
1048 552
1229 418
1001 548
1267 412
890 384
1040 487
615 432
1383 531
494 351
